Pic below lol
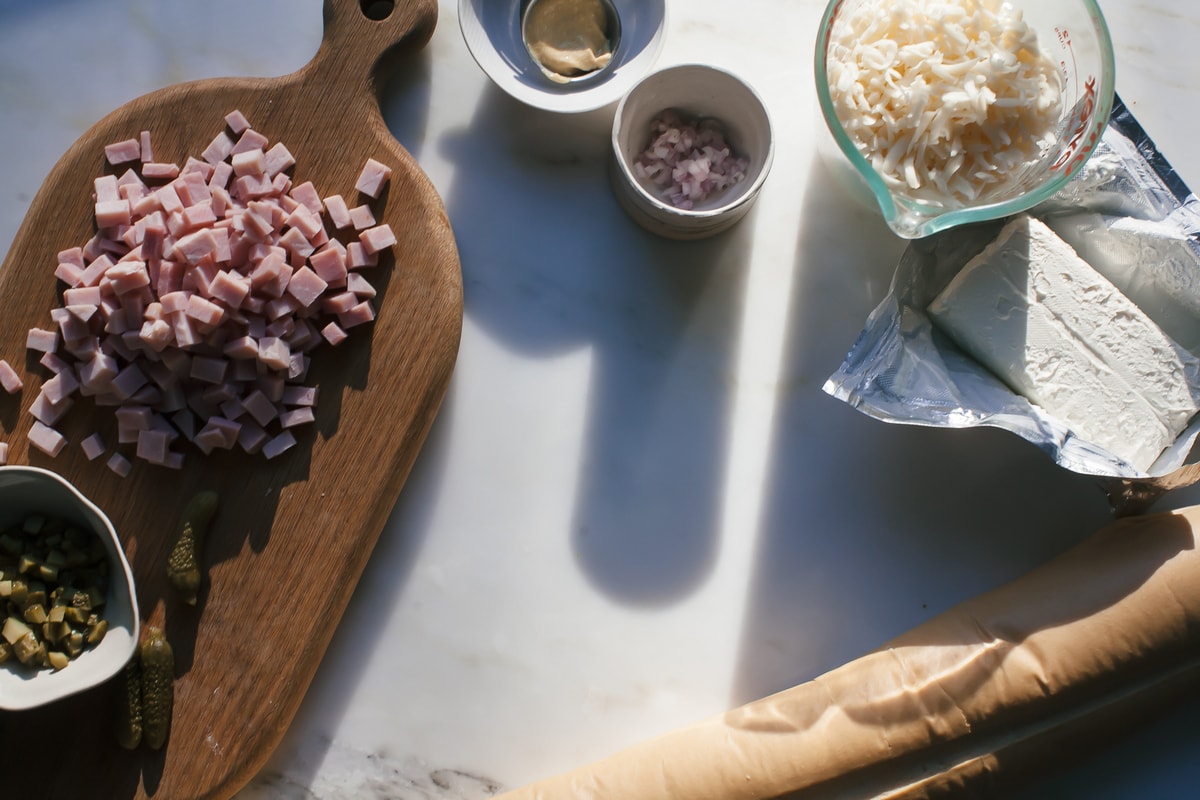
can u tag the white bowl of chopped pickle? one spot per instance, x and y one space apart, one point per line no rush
691 148
68 607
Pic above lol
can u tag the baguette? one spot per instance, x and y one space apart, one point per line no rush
964 705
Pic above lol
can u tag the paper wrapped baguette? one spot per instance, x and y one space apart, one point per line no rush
965 705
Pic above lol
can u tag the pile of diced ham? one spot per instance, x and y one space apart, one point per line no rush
193 311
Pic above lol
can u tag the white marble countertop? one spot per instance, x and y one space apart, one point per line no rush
637 508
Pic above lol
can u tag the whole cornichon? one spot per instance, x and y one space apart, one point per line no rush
158 687
183 563
129 705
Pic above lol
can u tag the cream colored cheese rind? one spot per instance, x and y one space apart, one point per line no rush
1060 334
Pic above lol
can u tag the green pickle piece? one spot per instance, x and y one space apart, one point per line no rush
184 562
129 704
158 687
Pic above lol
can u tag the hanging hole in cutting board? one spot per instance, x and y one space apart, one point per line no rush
377 9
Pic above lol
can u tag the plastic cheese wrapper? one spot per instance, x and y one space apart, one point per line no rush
970 704
1127 214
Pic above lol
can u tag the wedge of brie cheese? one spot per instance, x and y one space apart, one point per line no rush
1058 332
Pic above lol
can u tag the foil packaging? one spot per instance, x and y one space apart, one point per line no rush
1128 214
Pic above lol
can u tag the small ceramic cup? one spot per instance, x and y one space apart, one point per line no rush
696 92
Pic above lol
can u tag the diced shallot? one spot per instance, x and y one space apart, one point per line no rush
688 161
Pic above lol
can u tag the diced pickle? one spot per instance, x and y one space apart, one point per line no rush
53 588
27 648
96 631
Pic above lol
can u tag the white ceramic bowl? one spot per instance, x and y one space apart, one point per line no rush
26 490
698 91
492 31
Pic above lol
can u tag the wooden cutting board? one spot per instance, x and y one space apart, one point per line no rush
293 533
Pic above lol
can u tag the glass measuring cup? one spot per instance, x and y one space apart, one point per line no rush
1073 35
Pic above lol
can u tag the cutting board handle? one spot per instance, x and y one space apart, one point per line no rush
361 38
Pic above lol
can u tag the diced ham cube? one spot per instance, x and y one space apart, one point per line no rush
168 198
218 149
146 151
306 286
243 347
69 274
339 303
279 158
119 464
249 187
93 446
360 314
9 379
97 374
237 122
360 286
249 162
152 446
111 213
330 264
204 311
46 439
209 370
106 190
123 152
377 239
230 288
157 334
306 193
128 381
333 334
260 407
297 416
339 211
219 179
362 217
358 257
42 340
274 353
159 170
199 215
127 276
217 432
279 444
60 387
305 221
202 170
47 412
300 396
251 438
373 177
250 139
53 363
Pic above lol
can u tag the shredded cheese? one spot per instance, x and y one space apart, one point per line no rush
950 101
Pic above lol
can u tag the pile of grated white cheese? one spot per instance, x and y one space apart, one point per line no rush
947 99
